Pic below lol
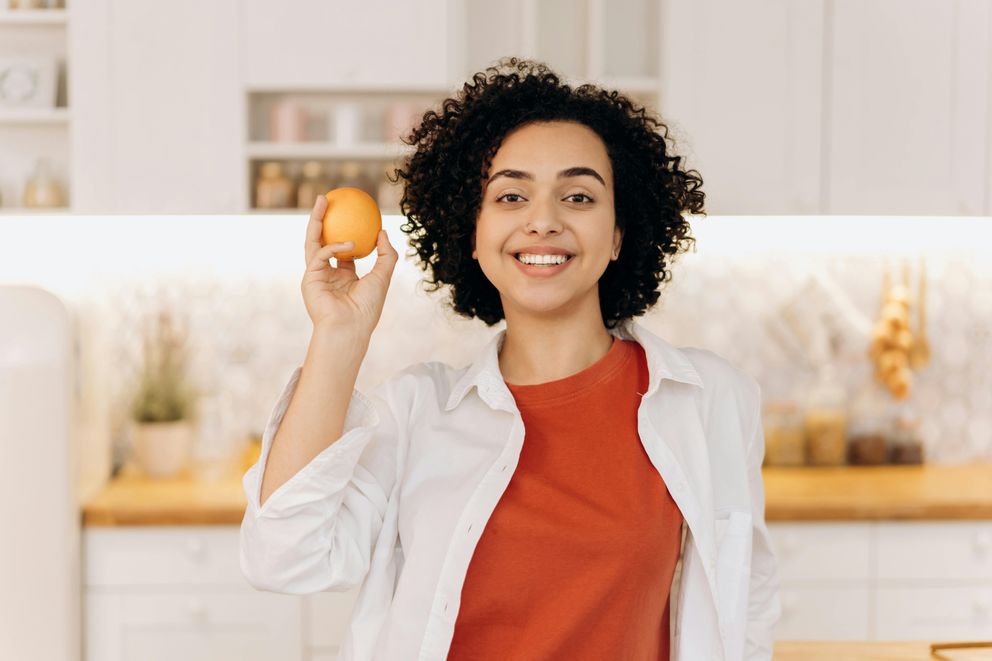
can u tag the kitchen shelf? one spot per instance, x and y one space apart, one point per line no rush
33 17
25 211
325 150
35 116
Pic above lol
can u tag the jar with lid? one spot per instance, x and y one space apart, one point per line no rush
353 175
41 189
870 427
273 190
907 445
825 420
784 439
312 183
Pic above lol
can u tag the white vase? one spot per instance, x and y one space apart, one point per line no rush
162 449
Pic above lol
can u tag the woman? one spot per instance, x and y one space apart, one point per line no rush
583 489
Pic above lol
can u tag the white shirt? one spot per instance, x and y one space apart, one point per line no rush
399 501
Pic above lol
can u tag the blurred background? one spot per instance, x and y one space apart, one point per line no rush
158 161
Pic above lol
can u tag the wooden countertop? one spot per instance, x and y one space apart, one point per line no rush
844 493
880 493
871 651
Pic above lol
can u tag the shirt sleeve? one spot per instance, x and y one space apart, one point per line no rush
764 607
317 530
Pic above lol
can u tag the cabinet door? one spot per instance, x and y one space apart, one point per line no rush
822 551
158 110
824 613
915 613
193 626
909 107
316 43
741 90
935 550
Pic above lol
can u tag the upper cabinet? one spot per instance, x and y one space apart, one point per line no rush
742 92
840 107
908 123
158 118
784 107
318 44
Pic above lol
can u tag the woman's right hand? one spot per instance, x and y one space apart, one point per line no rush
335 296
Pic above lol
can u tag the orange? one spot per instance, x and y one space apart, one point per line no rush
351 215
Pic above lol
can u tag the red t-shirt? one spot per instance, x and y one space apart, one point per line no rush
577 559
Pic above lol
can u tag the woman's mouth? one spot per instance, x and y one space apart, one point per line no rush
542 270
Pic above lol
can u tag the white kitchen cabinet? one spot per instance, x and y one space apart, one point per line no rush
308 44
825 613
909 107
826 551
158 109
176 592
945 551
193 625
884 580
825 574
742 90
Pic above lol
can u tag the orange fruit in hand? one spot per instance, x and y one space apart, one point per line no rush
351 215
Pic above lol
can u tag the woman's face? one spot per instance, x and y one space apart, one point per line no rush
531 199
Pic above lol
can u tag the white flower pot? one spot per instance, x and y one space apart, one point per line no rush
163 449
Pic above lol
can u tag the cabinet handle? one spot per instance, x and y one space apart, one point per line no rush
195 547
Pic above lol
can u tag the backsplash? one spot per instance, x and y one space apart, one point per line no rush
248 335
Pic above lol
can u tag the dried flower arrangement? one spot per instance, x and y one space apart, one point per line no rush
163 393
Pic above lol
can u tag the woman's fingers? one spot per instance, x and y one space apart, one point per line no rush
314 226
319 260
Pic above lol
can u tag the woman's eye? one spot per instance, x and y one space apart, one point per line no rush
504 196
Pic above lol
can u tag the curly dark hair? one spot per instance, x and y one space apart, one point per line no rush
454 149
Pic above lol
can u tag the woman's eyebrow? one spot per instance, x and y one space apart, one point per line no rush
577 171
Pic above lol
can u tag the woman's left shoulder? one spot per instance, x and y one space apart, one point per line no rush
722 378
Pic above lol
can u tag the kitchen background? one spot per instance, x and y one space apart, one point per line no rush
846 153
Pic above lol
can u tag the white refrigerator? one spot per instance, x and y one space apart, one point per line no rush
40 564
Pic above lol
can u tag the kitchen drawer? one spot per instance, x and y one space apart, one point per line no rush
161 555
327 616
940 612
193 625
822 550
958 550
827 613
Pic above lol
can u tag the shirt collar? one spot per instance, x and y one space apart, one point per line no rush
664 362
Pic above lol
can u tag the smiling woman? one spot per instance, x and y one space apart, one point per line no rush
618 163
582 489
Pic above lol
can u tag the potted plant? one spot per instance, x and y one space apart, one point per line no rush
162 410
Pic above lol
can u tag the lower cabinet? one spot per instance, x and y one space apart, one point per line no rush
884 580
176 592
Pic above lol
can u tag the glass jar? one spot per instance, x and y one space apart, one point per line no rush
312 184
825 421
907 445
41 189
870 427
273 190
784 437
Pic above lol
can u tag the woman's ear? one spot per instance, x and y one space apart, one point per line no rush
617 242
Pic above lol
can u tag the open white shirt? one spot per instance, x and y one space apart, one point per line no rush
397 504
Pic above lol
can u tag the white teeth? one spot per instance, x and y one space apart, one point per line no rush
542 259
